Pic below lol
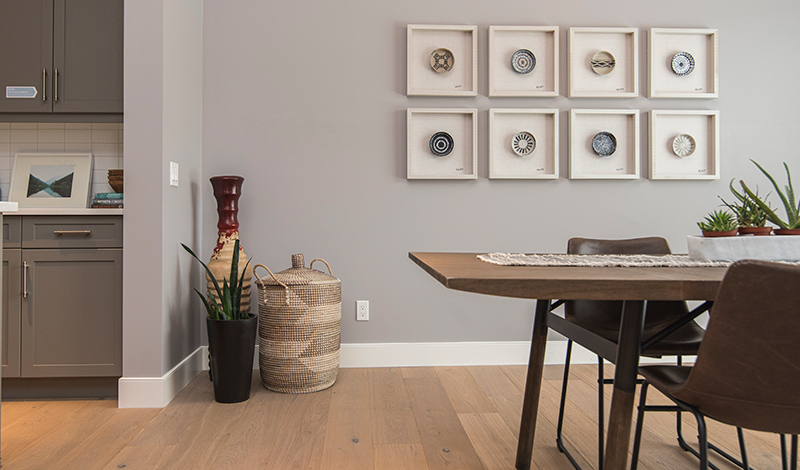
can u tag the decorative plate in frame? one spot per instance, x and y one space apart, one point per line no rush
523 143
508 44
603 63
441 143
683 63
683 145
523 61
541 160
442 60
604 144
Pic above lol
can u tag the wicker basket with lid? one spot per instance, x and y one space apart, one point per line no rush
300 311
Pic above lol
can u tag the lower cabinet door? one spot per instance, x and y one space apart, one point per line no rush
12 293
71 313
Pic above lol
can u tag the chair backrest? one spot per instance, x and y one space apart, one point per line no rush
748 367
603 316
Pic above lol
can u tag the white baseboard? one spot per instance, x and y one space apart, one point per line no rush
157 392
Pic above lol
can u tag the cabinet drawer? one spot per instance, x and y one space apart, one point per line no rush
12 231
72 232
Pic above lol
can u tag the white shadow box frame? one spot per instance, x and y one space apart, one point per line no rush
584 125
701 44
622 44
52 180
702 126
461 124
462 41
542 41
504 163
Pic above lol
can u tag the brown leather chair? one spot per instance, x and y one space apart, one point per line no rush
603 318
747 372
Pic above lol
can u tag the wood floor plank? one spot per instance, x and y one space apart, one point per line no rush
62 439
418 372
14 410
494 382
251 442
167 428
107 440
392 417
348 440
303 433
444 440
28 430
493 441
139 457
348 434
351 389
464 392
207 435
400 457
317 431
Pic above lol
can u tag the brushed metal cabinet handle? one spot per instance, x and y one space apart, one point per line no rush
44 84
72 232
25 279
55 85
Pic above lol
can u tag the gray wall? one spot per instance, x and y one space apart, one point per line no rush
163 123
306 100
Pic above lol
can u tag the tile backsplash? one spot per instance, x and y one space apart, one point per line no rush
103 140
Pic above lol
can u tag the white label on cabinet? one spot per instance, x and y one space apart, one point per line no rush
21 92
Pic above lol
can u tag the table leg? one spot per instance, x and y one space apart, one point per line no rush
628 349
533 384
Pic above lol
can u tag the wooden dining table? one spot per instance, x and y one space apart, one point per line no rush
633 285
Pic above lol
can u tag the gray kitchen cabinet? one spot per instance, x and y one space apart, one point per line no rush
62 304
69 50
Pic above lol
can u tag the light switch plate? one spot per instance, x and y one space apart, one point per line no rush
173 174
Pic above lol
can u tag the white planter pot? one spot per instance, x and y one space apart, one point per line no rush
770 247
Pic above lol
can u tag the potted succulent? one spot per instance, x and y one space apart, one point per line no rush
231 334
750 217
792 224
719 223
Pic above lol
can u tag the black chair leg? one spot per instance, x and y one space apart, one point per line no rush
562 406
601 406
742 448
637 437
787 460
702 437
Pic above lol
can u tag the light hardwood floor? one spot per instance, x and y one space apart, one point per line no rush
406 418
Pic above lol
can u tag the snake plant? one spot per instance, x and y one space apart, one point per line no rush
226 304
792 209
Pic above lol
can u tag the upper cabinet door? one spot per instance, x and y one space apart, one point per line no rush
87 56
26 56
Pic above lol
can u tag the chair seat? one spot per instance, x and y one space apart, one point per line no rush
666 378
685 341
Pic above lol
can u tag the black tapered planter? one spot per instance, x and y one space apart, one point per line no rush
231 344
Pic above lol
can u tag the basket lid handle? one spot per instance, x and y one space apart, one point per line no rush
326 264
261 283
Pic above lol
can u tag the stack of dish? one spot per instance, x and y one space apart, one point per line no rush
115 180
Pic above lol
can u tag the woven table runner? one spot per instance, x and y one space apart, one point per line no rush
627 261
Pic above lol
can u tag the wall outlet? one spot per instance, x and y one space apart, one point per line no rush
362 310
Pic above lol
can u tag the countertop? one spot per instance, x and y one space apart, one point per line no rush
6 207
61 211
